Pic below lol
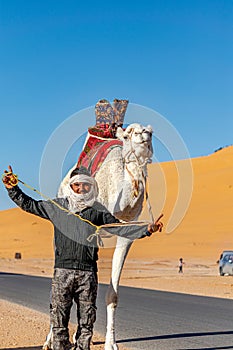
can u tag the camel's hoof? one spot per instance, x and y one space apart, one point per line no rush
111 346
46 347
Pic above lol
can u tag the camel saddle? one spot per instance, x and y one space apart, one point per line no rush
102 137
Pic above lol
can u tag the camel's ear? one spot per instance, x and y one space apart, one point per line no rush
120 133
149 127
127 132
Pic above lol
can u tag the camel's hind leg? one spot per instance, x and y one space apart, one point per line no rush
119 256
48 345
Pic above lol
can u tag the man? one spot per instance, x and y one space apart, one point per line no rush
75 218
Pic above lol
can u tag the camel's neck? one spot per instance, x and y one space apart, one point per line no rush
132 157
136 161
135 171
135 165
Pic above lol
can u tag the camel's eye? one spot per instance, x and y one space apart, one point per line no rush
147 132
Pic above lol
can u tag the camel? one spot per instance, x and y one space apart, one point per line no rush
121 178
123 192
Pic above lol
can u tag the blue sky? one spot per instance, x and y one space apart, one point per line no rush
60 57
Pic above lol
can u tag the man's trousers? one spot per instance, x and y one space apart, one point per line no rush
80 286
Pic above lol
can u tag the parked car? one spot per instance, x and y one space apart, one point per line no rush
226 263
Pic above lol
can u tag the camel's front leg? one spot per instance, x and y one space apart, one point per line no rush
122 247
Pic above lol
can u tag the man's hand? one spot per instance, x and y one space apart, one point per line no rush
9 179
156 226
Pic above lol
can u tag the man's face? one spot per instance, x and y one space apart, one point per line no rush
81 187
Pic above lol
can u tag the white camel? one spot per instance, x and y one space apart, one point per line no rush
122 189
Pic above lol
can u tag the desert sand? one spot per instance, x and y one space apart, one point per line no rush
205 230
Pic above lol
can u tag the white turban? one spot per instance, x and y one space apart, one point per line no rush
78 202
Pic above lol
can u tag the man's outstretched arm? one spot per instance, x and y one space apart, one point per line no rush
22 200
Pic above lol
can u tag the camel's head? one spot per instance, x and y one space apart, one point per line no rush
137 140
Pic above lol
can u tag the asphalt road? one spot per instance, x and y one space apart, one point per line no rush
146 319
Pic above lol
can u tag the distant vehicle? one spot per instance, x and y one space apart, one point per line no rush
226 263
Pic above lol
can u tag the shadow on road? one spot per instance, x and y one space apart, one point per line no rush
156 337
215 348
11 274
179 335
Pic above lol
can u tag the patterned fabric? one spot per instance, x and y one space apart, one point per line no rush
102 130
119 107
80 286
95 151
108 114
104 112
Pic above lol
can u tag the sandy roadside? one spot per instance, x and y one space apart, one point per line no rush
23 328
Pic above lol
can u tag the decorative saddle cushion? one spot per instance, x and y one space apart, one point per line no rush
95 151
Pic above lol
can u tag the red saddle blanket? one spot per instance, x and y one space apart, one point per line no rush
95 151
